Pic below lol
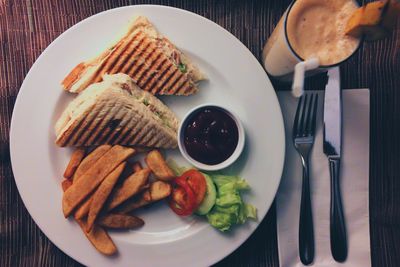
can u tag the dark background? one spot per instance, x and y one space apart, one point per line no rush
28 26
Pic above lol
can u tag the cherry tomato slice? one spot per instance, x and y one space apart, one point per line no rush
183 199
197 182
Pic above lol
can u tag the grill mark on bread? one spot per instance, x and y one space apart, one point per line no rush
152 141
124 121
137 124
112 60
109 125
108 64
93 125
136 64
141 130
144 126
87 120
150 72
163 142
180 90
177 86
136 75
173 80
145 140
116 139
160 142
153 84
153 67
189 89
113 125
105 63
167 73
94 137
146 66
124 57
133 53
67 134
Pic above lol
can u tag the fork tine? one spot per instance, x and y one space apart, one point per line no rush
314 117
303 117
296 118
307 128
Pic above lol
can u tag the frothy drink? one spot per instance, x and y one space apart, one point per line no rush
314 28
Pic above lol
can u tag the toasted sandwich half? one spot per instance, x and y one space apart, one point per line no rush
117 111
151 60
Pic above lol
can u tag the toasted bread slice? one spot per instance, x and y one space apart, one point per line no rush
116 111
151 60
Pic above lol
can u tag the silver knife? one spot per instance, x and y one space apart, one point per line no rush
332 148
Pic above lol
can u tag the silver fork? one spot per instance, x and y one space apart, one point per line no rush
303 139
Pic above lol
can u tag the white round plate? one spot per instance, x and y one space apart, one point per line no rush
236 81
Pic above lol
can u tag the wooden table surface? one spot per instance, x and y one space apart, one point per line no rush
28 26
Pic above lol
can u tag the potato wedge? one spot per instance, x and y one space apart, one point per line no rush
158 190
120 221
129 188
101 194
158 166
83 209
76 158
99 238
65 184
90 160
89 181
136 166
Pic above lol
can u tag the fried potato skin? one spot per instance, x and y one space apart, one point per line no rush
97 236
120 221
76 158
90 160
89 181
157 190
156 162
131 186
101 194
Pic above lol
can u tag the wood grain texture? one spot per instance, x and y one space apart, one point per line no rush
27 27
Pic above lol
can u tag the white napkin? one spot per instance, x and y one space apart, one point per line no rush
354 179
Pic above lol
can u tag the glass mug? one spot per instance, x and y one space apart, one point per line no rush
280 58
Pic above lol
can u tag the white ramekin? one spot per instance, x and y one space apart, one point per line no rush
236 153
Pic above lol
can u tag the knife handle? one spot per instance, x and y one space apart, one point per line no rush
337 225
306 228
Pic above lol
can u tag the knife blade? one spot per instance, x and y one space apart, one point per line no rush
333 115
332 148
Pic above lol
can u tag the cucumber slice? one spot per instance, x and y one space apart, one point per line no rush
210 197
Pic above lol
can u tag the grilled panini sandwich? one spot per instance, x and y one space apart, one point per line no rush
151 60
117 111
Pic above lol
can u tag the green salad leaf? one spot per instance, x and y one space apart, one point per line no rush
229 208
